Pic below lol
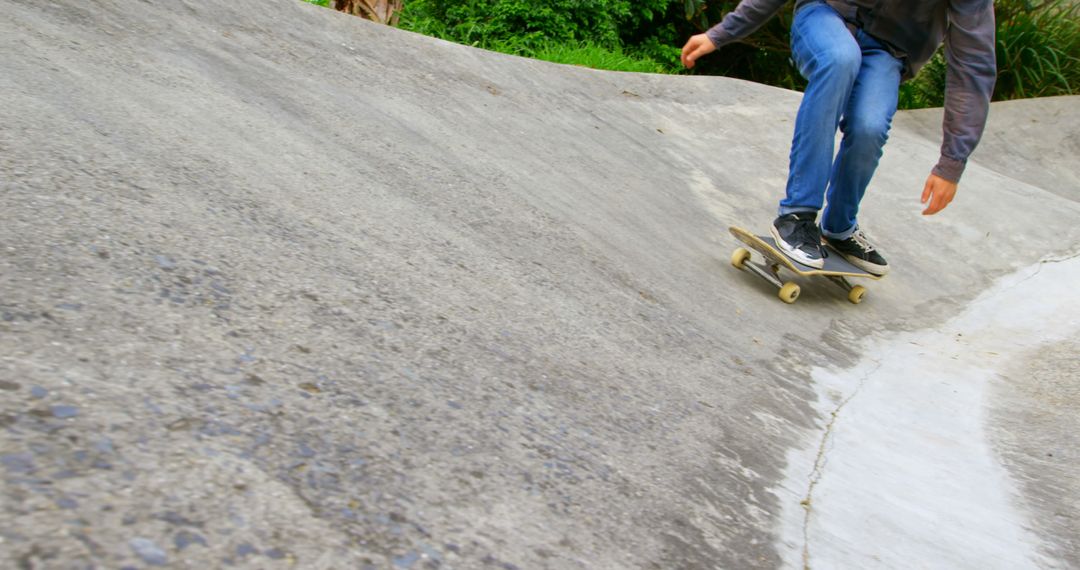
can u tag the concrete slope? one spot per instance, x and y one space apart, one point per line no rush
283 288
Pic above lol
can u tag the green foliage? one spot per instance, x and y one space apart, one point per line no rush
588 32
927 89
1038 55
1038 48
764 57
597 57
1038 42
585 54
597 33
318 2
1038 52
487 21
665 54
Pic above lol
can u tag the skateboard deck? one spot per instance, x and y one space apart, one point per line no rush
836 268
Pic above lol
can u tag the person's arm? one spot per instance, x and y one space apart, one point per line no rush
971 70
744 20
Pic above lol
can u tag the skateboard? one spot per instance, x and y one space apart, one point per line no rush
836 269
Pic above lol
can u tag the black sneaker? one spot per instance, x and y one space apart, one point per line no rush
858 250
798 236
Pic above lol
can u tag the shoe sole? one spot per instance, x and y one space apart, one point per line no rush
795 254
879 270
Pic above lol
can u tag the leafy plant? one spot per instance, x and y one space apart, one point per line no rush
486 22
1038 42
1038 48
927 89
764 57
1038 55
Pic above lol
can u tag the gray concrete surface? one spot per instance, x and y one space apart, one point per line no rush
1035 141
282 288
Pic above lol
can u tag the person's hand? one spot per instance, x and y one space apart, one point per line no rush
696 47
939 192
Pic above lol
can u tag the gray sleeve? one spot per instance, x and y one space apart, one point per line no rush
971 70
744 20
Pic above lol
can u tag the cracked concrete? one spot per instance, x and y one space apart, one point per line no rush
821 460
283 288
912 470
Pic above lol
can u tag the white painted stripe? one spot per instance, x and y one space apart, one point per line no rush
905 476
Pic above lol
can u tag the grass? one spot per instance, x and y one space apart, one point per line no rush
587 54
1038 49
584 54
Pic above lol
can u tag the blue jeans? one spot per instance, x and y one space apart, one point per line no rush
853 84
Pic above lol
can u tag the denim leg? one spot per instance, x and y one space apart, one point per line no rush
829 58
865 125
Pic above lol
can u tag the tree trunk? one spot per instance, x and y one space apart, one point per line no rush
381 11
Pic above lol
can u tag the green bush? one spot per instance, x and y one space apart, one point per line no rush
764 57
1038 48
1038 55
488 21
927 89
1038 42
605 34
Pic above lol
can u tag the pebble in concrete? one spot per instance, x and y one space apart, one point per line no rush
63 412
185 538
149 551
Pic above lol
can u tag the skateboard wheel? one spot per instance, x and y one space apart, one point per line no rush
739 257
789 292
856 294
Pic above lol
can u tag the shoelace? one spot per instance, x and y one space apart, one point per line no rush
862 241
805 233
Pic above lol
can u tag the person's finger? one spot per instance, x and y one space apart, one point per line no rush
934 205
927 189
688 53
702 50
942 198
689 47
